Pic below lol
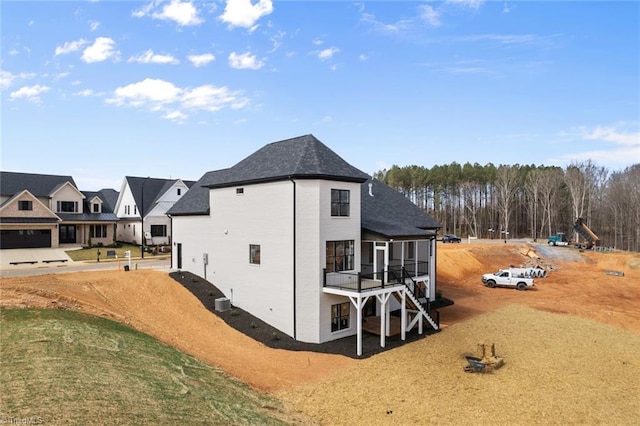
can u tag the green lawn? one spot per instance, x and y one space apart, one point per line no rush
92 253
66 367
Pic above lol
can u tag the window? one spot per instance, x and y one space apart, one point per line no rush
239 191
68 206
340 255
340 316
179 191
98 231
339 202
96 208
158 230
25 205
411 250
135 209
254 254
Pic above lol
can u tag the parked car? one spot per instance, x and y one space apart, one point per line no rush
451 238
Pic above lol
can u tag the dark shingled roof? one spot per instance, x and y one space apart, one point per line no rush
153 189
107 197
391 214
196 200
12 183
304 157
388 213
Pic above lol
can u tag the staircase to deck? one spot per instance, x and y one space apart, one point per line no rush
416 300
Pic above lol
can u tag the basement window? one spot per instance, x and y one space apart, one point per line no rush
340 316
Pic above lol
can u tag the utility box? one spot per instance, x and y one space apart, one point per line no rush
222 304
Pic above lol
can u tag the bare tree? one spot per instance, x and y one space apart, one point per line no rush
506 187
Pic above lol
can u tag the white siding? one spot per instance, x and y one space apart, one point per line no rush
263 215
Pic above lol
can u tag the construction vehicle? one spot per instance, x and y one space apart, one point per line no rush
559 239
590 238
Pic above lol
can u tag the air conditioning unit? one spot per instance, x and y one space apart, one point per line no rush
222 304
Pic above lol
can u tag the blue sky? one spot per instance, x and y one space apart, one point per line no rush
103 89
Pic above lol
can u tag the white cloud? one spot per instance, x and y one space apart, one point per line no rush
429 15
244 13
177 116
623 148
30 93
610 134
201 60
86 93
245 61
363 57
70 46
160 95
317 41
150 91
183 13
149 57
473 4
7 78
101 50
13 52
402 25
94 25
328 53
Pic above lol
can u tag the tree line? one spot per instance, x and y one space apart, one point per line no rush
525 201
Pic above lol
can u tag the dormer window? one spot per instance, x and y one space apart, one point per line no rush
340 202
179 191
68 206
96 208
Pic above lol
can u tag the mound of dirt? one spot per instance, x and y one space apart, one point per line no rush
153 303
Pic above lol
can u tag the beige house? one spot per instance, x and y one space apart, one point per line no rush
49 211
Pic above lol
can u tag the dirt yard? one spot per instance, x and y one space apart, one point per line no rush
577 362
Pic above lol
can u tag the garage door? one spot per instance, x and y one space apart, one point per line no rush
25 238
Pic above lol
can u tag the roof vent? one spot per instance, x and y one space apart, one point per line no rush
370 189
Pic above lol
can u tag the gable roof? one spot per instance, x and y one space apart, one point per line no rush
153 189
106 205
196 200
109 197
303 157
38 185
389 213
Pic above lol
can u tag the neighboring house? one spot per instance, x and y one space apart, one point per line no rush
308 243
153 197
49 211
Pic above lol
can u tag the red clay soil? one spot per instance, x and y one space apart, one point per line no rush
154 303
577 283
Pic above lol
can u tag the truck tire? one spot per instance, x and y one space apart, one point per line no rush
521 286
551 243
491 283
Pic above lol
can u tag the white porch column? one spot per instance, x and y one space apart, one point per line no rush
387 317
384 309
359 303
403 314
432 270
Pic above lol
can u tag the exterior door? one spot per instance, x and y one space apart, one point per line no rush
67 234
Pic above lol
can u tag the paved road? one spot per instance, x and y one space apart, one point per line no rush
40 261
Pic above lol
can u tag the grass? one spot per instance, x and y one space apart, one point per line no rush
66 367
92 253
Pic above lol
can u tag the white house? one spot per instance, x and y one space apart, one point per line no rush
153 197
308 243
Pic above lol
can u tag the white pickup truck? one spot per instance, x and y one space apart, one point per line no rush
507 278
